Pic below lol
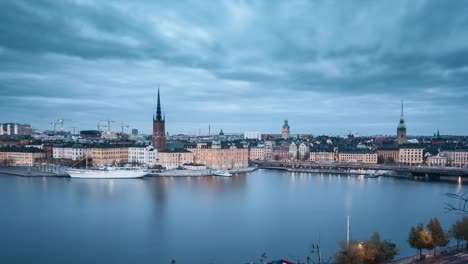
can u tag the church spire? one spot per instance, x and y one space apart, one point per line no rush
401 117
158 108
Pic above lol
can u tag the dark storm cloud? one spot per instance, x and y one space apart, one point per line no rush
253 63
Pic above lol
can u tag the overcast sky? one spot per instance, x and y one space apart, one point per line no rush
329 67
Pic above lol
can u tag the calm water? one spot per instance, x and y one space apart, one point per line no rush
206 220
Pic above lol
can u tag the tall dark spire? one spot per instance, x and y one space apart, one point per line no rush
158 108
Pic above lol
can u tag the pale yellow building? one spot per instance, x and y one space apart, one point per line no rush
457 158
410 155
16 156
171 159
358 157
217 156
108 154
322 156
257 153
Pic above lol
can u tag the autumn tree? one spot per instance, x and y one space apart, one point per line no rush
420 239
460 230
439 237
373 250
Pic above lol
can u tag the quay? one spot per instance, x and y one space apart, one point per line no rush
41 171
397 170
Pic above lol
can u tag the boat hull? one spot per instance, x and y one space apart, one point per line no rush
107 174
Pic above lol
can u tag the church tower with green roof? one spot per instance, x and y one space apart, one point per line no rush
401 130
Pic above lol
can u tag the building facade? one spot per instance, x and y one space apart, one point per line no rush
437 160
172 159
109 154
75 152
410 155
159 128
457 158
389 155
221 156
322 157
293 152
257 153
142 155
304 151
253 135
367 157
16 156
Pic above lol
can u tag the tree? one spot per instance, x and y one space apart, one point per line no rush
373 250
461 200
439 237
390 160
380 159
420 239
460 230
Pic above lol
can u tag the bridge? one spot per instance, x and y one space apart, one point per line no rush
431 173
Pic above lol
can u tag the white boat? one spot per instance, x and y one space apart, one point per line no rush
222 173
108 173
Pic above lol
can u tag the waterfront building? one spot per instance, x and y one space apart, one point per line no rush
172 159
293 151
285 132
74 152
143 155
367 157
401 130
457 158
109 154
257 153
410 154
388 154
322 156
159 128
304 151
268 150
217 155
20 156
253 135
280 153
438 160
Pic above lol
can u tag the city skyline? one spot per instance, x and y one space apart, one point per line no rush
232 67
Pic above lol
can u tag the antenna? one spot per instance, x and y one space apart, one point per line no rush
53 124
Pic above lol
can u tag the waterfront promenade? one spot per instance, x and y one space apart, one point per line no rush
396 170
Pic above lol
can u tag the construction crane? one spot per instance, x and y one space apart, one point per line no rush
61 124
122 125
108 124
53 124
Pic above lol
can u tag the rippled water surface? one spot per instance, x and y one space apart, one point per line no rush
206 219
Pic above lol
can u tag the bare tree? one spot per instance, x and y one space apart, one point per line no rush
459 204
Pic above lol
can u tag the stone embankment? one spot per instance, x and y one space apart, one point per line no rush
197 173
34 171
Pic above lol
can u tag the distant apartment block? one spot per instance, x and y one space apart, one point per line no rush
410 154
143 155
389 154
358 157
457 158
109 154
74 152
221 156
9 129
322 156
172 159
257 153
17 156
438 160
253 135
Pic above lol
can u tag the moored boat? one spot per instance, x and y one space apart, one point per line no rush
222 173
108 173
